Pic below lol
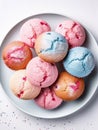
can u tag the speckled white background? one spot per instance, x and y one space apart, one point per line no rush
11 12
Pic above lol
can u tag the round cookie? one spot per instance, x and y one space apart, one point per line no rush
21 87
69 87
47 99
73 32
79 62
41 73
51 47
16 55
31 29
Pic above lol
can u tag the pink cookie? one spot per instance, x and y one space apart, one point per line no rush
31 29
21 87
41 73
73 32
47 99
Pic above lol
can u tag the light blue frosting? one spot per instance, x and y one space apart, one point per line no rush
53 42
79 62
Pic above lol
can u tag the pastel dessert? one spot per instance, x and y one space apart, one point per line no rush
21 87
51 47
41 73
79 62
73 32
31 29
47 99
69 87
16 55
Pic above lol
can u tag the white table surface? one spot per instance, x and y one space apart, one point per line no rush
11 12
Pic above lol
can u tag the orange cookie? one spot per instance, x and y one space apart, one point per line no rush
69 87
16 55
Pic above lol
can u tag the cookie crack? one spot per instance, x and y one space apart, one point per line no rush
45 75
81 59
52 47
10 54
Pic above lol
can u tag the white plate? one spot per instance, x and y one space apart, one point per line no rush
66 108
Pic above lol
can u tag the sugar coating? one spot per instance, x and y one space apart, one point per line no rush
21 87
16 55
51 46
79 62
47 99
41 73
73 32
31 29
69 87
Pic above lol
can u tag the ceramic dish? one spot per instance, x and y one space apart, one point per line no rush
66 108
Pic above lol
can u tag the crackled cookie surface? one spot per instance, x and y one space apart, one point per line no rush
16 55
79 62
73 32
69 87
21 87
51 47
41 73
47 99
31 29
